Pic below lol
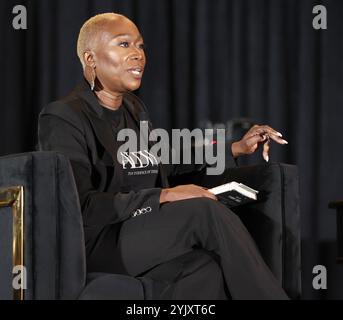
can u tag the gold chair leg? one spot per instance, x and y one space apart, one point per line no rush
14 197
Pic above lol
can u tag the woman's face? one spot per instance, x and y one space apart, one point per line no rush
119 56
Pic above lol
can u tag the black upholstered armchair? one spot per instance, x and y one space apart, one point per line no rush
42 250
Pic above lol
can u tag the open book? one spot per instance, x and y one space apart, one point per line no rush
233 194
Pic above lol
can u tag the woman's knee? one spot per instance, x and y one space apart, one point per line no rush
213 205
209 208
199 209
215 210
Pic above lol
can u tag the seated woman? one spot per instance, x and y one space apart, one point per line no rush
133 222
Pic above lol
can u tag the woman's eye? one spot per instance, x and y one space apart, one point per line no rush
141 46
124 44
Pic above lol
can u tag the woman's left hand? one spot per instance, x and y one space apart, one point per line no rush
256 136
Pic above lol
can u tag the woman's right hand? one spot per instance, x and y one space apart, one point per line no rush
183 192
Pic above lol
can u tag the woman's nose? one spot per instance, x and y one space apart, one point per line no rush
137 54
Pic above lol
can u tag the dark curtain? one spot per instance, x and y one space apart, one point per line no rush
208 60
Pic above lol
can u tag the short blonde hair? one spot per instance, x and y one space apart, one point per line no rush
89 31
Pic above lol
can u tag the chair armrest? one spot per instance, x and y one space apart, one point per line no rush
53 241
274 221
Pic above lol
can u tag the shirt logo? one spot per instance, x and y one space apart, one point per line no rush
137 159
138 212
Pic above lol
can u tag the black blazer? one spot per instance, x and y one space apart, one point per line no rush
76 126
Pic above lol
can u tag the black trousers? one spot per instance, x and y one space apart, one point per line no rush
153 238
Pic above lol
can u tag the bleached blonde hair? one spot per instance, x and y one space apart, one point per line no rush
90 30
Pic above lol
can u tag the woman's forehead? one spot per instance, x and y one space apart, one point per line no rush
121 27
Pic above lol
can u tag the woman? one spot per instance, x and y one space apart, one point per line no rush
134 222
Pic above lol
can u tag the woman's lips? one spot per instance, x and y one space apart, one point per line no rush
137 72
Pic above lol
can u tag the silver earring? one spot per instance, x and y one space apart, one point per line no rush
93 79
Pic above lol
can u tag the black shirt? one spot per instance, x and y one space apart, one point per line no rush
138 168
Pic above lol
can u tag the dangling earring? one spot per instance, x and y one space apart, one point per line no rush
93 79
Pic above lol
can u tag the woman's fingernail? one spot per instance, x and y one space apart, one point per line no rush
285 142
279 134
267 158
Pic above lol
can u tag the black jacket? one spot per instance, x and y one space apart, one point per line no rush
76 126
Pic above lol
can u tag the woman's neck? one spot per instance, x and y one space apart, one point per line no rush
109 100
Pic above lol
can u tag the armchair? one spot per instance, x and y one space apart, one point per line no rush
41 230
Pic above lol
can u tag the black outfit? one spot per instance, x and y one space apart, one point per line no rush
126 229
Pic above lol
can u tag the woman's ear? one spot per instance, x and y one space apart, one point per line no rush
88 58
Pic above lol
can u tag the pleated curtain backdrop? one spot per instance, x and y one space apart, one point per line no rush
207 60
